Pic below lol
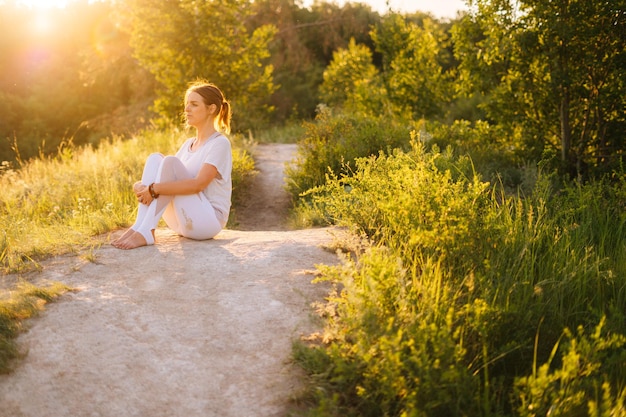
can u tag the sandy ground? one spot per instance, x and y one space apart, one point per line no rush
182 328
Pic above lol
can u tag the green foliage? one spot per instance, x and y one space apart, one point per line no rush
333 142
350 70
391 349
203 40
17 305
464 291
581 384
63 74
414 81
551 70
290 132
353 83
399 201
495 152
413 72
306 40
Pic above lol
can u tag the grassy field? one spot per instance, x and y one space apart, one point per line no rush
65 204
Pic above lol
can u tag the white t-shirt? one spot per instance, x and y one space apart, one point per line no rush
217 152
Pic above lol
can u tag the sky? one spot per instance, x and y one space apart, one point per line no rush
439 8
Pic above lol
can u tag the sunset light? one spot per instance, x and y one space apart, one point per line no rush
332 208
41 24
44 4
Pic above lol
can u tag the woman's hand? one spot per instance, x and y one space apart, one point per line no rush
142 193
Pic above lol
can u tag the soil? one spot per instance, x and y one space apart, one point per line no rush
182 328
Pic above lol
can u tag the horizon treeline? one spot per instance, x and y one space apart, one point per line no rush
548 77
77 74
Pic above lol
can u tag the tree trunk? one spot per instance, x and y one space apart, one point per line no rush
566 130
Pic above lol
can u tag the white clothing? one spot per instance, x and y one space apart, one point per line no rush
217 152
197 216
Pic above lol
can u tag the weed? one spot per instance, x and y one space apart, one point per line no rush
439 314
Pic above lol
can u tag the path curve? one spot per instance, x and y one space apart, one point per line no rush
182 328
267 205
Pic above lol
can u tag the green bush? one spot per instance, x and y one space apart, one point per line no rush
466 289
418 203
333 142
581 383
490 148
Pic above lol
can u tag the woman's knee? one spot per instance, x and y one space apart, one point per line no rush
200 229
156 157
194 217
173 169
171 161
151 168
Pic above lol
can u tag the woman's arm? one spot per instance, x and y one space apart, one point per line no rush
195 185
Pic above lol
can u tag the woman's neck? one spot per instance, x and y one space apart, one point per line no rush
205 133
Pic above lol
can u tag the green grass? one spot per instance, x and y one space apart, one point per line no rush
67 203
56 205
469 301
290 132
22 302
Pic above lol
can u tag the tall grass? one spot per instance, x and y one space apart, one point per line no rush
21 303
471 301
55 204
61 204
290 132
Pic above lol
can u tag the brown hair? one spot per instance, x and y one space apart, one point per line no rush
211 94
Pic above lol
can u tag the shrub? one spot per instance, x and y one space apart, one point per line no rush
333 142
441 316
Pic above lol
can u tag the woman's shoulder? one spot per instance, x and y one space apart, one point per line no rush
222 139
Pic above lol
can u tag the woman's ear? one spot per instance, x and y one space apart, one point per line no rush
213 109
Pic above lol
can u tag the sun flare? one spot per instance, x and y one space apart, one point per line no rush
41 24
44 4
43 21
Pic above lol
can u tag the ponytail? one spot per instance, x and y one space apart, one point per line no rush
224 116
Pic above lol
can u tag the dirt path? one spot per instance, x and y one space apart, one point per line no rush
182 328
267 205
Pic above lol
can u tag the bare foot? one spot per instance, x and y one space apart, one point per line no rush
135 240
126 234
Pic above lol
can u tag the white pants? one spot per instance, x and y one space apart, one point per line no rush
190 216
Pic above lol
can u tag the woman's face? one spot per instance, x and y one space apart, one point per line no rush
197 112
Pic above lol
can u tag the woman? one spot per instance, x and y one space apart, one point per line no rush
191 190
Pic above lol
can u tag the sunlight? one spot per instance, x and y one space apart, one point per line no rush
43 21
41 24
44 4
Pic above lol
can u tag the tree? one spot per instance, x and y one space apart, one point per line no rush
180 41
61 78
553 71
304 46
412 72
349 69
582 43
